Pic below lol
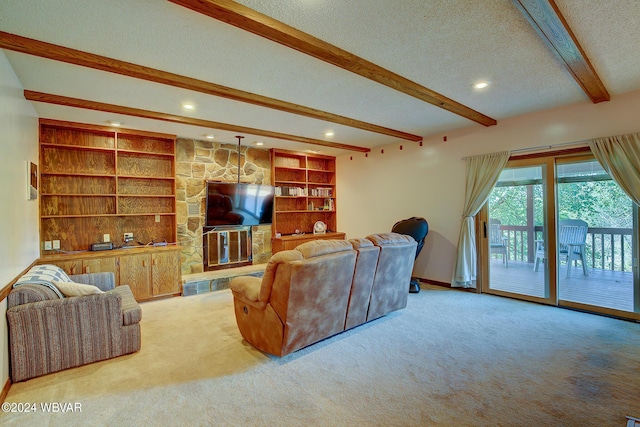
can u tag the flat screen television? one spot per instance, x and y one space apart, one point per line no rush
238 204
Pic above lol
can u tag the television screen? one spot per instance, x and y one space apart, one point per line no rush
239 204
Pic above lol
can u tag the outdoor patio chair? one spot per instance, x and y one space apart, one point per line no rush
498 243
572 238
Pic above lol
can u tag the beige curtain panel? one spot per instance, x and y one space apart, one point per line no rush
620 157
482 174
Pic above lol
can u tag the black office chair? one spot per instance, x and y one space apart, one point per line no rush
418 228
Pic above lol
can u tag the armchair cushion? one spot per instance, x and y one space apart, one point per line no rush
73 289
104 280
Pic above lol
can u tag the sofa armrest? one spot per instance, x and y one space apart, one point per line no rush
247 289
104 281
131 310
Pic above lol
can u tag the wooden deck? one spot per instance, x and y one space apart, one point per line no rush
601 288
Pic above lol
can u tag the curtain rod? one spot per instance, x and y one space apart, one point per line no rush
543 147
548 147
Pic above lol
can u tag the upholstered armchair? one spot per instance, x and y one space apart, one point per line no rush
49 332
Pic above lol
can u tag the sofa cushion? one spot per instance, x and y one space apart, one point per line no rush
26 294
73 289
316 248
390 238
361 243
44 275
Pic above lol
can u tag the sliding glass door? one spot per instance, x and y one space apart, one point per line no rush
515 224
595 239
560 231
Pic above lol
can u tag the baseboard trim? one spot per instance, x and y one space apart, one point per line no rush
434 282
5 390
446 285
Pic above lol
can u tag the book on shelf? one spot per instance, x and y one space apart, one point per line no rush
290 191
322 192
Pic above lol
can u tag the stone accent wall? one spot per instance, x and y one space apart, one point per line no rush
200 161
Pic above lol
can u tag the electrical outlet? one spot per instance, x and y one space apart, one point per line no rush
128 237
47 245
157 218
106 238
56 244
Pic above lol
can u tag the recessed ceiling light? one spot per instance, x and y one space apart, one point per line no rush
114 123
481 85
210 136
259 143
329 134
188 106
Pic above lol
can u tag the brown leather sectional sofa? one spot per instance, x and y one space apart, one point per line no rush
322 288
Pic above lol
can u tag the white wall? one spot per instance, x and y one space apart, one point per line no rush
429 181
18 216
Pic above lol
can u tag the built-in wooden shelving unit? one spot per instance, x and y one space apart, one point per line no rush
95 180
305 193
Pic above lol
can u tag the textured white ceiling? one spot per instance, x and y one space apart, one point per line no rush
445 45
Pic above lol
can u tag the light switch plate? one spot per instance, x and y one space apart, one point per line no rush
47 245
106 238
56 244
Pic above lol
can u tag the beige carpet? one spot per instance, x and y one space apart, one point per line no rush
450 359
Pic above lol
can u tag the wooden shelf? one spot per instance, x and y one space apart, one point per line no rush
291 168
77 174
75 147
146 153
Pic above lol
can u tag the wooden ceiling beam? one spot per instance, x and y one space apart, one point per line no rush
154 115
545 17
250 20
76 57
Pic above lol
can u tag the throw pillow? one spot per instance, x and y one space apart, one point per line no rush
73 289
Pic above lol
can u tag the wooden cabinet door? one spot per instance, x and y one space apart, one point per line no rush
135 271
70 267
100 265
165 273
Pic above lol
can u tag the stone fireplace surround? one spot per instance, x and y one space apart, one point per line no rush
199 161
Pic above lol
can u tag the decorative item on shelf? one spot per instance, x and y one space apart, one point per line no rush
319 227
328 204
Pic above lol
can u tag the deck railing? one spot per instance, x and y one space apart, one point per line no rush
606 248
